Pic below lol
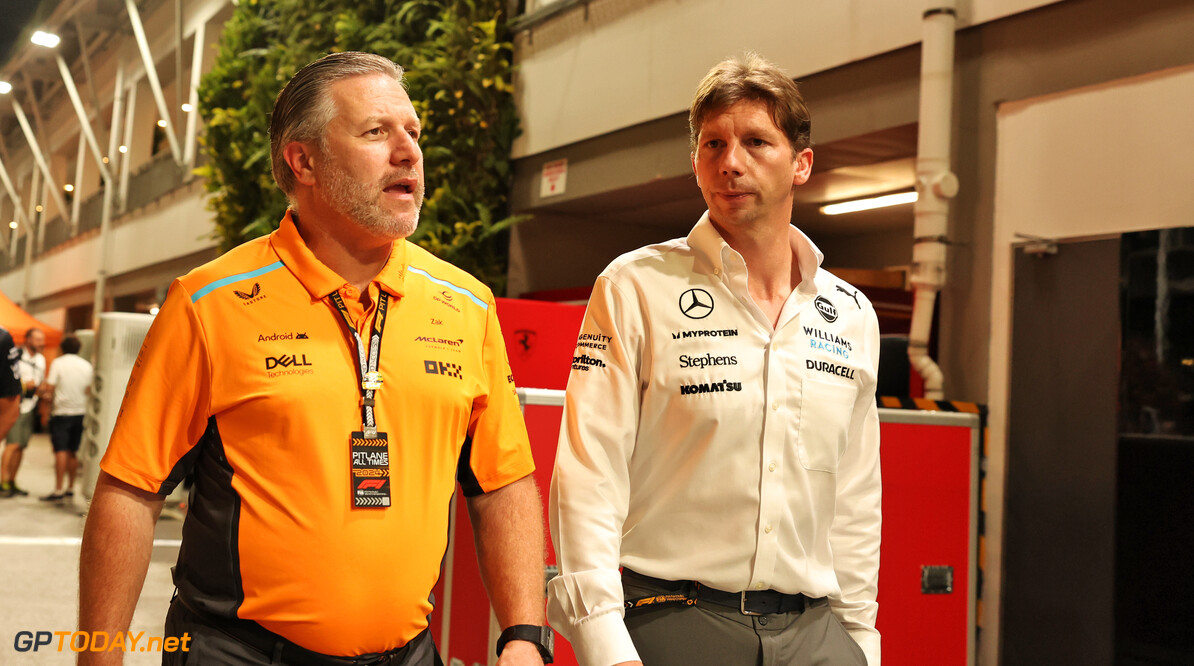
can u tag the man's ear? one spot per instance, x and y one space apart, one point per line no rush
300 158
804 167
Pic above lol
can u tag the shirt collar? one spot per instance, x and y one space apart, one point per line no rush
317 278
720 257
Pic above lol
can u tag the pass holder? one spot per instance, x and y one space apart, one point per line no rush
369 447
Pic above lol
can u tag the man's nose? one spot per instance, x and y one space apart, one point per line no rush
405 150
732 160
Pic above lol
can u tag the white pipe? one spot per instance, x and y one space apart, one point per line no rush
105 238
76 200
39 158
127 141
935 184
84 123
151 73
188 154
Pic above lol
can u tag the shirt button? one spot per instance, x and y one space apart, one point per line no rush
775 406
758 586
771 467
767 529
763 620
717 271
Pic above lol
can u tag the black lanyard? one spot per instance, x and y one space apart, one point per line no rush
367 364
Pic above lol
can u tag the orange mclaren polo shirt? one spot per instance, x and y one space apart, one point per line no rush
248 378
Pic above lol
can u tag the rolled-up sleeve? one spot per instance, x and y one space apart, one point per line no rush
590 486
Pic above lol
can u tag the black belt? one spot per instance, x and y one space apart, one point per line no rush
288 652
690 592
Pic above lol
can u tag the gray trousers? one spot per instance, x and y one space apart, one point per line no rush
679 635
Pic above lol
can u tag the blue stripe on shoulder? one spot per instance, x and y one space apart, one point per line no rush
444 283
234 278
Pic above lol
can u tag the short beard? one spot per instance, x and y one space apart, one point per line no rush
358 201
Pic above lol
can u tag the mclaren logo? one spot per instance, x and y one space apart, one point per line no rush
826 309
696 303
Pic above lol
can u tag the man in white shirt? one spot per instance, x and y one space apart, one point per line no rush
33 372
68 383
720 440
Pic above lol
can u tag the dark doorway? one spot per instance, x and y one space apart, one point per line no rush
1059 566
1154 583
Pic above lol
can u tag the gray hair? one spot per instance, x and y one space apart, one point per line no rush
305 106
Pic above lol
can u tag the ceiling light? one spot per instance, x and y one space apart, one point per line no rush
106 160
186 108
154 310
5 87
12 225
123 149
68 187
867 204
38 208
46 39
162 123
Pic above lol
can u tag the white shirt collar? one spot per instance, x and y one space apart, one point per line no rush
712 248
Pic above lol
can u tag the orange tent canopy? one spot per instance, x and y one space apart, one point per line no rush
17 321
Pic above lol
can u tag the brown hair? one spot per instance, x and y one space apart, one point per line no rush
752 77
304 107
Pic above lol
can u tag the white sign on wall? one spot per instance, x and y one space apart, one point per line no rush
554 179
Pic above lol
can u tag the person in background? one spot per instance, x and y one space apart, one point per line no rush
33 373
67 386
720 440
10 382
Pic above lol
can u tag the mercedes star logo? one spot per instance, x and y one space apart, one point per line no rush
696 303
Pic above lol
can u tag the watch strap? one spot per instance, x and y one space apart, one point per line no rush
542 637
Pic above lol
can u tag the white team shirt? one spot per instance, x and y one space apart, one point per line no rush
33 371
700 443
70 376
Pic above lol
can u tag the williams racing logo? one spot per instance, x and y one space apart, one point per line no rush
441 368
288 364
724 386
826 309
584 362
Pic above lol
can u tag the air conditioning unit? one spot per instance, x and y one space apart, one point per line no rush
116 347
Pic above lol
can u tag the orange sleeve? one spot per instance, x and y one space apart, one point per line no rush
167 402
500 451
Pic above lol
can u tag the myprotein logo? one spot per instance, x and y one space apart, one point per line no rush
696 303
441 368
826 309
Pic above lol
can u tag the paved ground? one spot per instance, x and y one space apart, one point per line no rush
39 567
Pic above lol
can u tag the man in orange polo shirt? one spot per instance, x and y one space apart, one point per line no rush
328 386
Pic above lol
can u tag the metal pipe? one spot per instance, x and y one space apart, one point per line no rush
105 237
38 157
84 123
77 195
193 100
26 295
936 184
152 74
125 159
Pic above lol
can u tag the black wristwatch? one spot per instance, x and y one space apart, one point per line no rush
542 637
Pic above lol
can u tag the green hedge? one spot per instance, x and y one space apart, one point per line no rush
458 60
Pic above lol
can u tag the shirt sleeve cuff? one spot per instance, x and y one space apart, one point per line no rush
602 640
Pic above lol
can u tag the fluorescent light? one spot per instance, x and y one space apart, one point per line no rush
5 87
867 204
45 39
186 108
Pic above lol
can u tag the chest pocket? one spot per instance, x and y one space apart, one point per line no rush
825 411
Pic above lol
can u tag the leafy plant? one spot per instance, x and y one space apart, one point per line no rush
458 60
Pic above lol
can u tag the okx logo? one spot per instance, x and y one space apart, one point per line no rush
441 368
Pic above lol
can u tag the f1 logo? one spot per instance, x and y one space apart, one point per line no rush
369 484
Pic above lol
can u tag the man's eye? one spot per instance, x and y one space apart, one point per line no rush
376 131
756 142
414 134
